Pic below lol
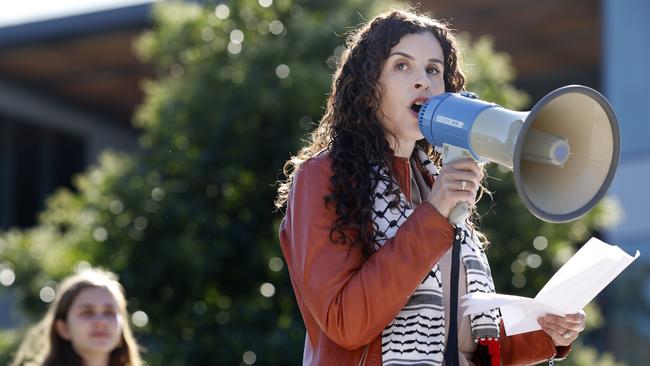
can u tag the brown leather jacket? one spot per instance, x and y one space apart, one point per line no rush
347 301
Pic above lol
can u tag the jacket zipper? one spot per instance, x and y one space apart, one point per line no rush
362 361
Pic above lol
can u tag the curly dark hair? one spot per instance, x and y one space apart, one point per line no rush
350 131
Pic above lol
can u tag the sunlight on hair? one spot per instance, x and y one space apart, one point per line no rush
306 123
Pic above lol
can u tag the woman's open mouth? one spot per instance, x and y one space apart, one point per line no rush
415 107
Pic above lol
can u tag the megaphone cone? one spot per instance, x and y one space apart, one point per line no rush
563 152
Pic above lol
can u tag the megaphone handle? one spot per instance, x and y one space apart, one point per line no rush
461 212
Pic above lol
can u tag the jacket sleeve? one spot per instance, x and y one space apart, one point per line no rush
529 348
353 299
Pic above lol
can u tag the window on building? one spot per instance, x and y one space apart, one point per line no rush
34 161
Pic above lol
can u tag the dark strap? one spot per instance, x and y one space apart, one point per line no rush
451 349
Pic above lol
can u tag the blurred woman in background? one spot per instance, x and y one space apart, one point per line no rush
86 325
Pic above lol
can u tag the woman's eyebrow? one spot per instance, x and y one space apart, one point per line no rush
406 55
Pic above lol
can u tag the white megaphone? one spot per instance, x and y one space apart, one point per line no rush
563 152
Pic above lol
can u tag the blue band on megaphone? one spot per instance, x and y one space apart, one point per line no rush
448 118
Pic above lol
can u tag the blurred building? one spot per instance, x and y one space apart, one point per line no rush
603 44
68 89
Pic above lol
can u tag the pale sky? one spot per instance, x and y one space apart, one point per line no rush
13 12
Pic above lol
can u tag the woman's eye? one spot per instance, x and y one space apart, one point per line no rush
401 66
87 313
432 70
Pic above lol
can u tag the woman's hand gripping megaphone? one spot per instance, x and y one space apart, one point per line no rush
455 189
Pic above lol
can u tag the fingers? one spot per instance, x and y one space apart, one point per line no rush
467 165
457 181
458 188
462 170
553 327
464 165
556 333
577 317
563 329
573 322
462 175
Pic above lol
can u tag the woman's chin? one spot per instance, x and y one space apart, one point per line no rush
100 345
417 136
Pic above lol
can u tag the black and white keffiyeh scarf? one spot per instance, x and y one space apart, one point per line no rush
417 334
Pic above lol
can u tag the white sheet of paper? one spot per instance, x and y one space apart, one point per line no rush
572 287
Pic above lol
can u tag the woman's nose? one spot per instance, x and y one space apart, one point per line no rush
100 320
422 81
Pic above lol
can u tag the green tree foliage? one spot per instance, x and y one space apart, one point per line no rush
188 222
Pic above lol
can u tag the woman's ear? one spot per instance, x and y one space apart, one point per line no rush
62 329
